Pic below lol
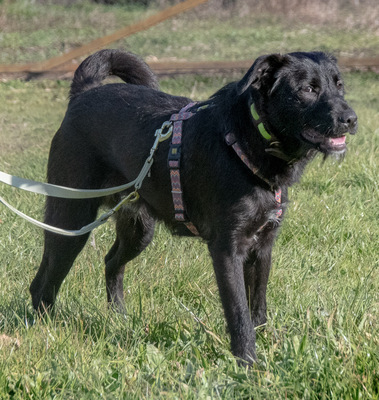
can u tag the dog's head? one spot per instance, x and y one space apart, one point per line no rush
300 99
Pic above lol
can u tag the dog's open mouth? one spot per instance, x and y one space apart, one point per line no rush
326 144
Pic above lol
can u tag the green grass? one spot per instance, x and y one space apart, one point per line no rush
321 339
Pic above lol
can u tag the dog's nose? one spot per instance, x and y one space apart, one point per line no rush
349 120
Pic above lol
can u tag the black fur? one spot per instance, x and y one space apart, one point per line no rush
107 134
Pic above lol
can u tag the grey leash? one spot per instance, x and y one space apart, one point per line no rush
48 189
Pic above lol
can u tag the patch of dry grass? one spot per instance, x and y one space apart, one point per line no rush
346 13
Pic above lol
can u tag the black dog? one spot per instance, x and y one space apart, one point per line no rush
240 151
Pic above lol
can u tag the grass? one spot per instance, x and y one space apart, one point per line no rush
34 31
321 338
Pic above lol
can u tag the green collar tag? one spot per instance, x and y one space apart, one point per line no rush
254 112
261 127
263 131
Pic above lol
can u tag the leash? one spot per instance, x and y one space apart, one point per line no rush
171 127
47 189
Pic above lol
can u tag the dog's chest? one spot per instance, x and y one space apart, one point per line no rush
271 210
271 218
260 215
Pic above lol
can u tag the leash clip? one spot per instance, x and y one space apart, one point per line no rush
130 198
164 135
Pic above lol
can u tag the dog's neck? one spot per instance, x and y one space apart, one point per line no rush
274 146
276 163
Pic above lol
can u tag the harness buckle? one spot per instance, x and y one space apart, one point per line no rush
174 156
230 139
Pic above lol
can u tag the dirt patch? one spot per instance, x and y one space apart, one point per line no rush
8 342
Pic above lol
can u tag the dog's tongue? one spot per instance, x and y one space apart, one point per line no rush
337 141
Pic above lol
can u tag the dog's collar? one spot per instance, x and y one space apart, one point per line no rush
259 124
274 148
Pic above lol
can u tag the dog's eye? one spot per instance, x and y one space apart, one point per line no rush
309 89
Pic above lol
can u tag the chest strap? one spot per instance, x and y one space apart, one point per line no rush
174 157
174 166
231 140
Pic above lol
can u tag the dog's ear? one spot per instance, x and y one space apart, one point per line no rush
262 72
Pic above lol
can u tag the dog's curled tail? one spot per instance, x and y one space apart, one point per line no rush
127 66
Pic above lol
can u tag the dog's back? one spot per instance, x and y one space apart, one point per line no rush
127 66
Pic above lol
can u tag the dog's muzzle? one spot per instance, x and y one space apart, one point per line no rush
347 123
325 144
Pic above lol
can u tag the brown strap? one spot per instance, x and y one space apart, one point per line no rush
174 156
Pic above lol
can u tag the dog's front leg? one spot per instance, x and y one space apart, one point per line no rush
228 268
256 272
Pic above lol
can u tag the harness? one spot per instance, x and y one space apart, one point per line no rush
174 156
232 141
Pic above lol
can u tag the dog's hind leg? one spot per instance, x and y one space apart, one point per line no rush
134 233
60 251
